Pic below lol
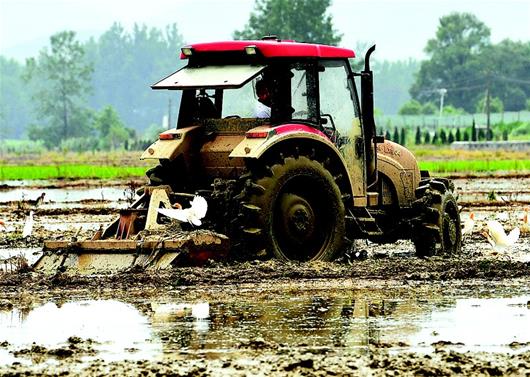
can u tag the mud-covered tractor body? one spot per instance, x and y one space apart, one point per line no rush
221 149
301 180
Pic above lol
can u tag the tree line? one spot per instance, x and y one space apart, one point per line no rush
469 72
92 95
441 136
96 95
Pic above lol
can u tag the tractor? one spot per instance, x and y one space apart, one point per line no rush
273 135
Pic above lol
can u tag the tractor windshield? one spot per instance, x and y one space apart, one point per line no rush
281 92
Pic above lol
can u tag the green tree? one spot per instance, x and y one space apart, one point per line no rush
418 136
466 136
301 20
403 136
112 132
458 135
450 138
429 108
15 104
474 134
395 135
411 107
451 110
454 61
435 138
387 135
443 137
392 79
496 105
427 137
62 82
506 69
126 63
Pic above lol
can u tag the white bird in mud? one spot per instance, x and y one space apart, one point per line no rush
192 215
28 225
468 224
497 237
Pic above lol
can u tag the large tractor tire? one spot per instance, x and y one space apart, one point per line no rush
296 210
439 231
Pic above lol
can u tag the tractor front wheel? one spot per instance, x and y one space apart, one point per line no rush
439 232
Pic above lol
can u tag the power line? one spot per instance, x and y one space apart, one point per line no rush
453 89
512 80
457 88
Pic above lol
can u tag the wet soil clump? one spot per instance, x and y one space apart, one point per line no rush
399 268
287 362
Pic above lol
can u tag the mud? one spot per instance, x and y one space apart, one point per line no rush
339 326
271 318
294 363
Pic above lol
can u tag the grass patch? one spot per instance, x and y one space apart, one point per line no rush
432 153
475 166
69 172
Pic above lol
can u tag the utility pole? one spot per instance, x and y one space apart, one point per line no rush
442 93
488 109
169 114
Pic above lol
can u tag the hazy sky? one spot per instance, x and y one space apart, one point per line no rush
400 28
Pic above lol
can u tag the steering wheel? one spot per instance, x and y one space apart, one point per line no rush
232 117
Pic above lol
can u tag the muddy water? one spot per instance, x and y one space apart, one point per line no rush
64 195
41 318
505 190
472 318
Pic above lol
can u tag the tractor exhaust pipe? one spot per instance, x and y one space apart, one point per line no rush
367 108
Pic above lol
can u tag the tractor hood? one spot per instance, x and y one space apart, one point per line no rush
213 76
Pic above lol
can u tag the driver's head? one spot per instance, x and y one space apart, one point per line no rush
263 93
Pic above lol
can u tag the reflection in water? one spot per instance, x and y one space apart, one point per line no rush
15 258
338 318
60 195
113 325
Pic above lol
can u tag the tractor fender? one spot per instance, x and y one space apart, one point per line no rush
263 139
399 165
171 143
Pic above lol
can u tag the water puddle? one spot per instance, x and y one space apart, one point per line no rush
343 319
13 259
504 190
60 195
113 329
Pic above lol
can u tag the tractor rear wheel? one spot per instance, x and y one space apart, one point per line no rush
439 232
296 209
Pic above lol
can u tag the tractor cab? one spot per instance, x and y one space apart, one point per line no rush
317 93
309 93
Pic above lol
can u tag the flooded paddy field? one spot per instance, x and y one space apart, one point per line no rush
385 313
273 327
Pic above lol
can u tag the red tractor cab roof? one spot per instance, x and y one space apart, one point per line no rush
272 49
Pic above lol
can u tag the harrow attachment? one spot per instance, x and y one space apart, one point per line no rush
136 240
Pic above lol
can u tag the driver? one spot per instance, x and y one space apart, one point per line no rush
263 106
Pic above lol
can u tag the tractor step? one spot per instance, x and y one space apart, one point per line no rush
366 223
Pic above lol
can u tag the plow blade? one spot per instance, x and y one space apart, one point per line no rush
112 255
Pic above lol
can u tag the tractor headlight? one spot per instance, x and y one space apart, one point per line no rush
251 50
187 51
